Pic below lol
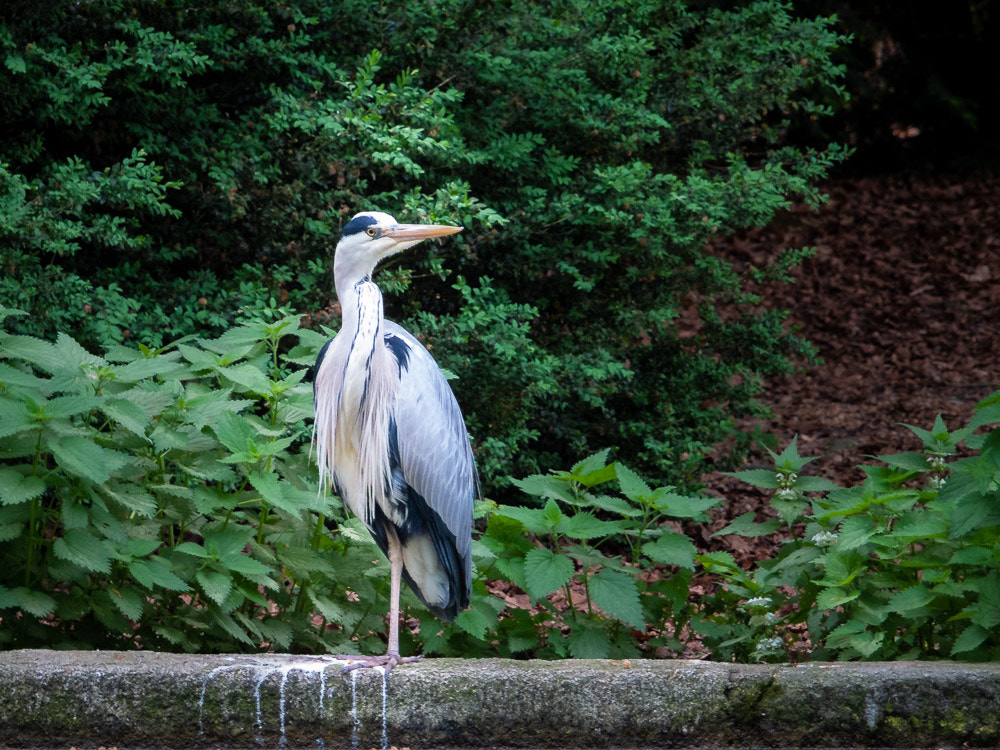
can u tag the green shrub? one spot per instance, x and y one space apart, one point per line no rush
168 172
902 566
612 559
165 499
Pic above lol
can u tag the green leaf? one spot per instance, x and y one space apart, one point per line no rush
16 488
789 460
36 603
215 584
842 567
718 562
128 414
744 526
129 602
920 524
843 635
226 623
913 597
552 514
964 480
972 556
156 573
10 531
473 622
594 463
612 504
970 638
82 548
15 417
15 63
671 548
234 432
86 459
248 376
194 549
764 478
970 512
40 353
533 519
75 515
617 596
132 497
815 484
855 531
71 353
987 609
589 642
584 525
143 547
255 570
632 485
272 491
277 631
544 572
545 485
63 407
832 598
683 506
910 461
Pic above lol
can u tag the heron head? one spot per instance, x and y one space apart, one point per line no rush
371 236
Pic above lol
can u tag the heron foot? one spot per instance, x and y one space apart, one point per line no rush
387 661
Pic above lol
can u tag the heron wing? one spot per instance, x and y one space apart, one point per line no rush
434 449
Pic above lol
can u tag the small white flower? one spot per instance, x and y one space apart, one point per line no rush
770 644
785 480
785 493
936 461
757 601
935 483
770 618
824 539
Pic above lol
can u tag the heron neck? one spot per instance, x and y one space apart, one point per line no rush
360 305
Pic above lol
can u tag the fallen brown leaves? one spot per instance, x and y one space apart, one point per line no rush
902 299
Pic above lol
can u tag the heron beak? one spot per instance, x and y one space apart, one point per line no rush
416 232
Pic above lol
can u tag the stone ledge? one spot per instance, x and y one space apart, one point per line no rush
52 699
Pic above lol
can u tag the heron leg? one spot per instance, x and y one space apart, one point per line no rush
395 576
392 657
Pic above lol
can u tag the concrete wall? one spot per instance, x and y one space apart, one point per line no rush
52 699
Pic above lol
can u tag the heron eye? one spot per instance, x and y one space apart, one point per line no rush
371 232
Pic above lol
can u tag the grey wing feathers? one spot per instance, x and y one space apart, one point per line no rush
433 443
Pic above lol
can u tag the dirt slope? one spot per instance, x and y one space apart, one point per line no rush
903 301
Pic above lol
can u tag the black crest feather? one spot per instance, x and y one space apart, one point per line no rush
358 224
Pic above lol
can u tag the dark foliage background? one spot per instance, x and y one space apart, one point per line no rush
177 173
170 171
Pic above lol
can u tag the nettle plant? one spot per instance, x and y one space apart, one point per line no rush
165 499
598 567
902 566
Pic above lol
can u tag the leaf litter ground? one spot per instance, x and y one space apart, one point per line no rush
902 300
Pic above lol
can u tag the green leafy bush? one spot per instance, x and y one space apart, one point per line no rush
902 566
614 561
165 499
168 172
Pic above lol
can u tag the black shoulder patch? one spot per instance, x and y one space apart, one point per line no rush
400 350
315 369
358 224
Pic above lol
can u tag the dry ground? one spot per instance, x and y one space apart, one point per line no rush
903 301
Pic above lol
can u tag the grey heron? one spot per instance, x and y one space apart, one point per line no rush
389 433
